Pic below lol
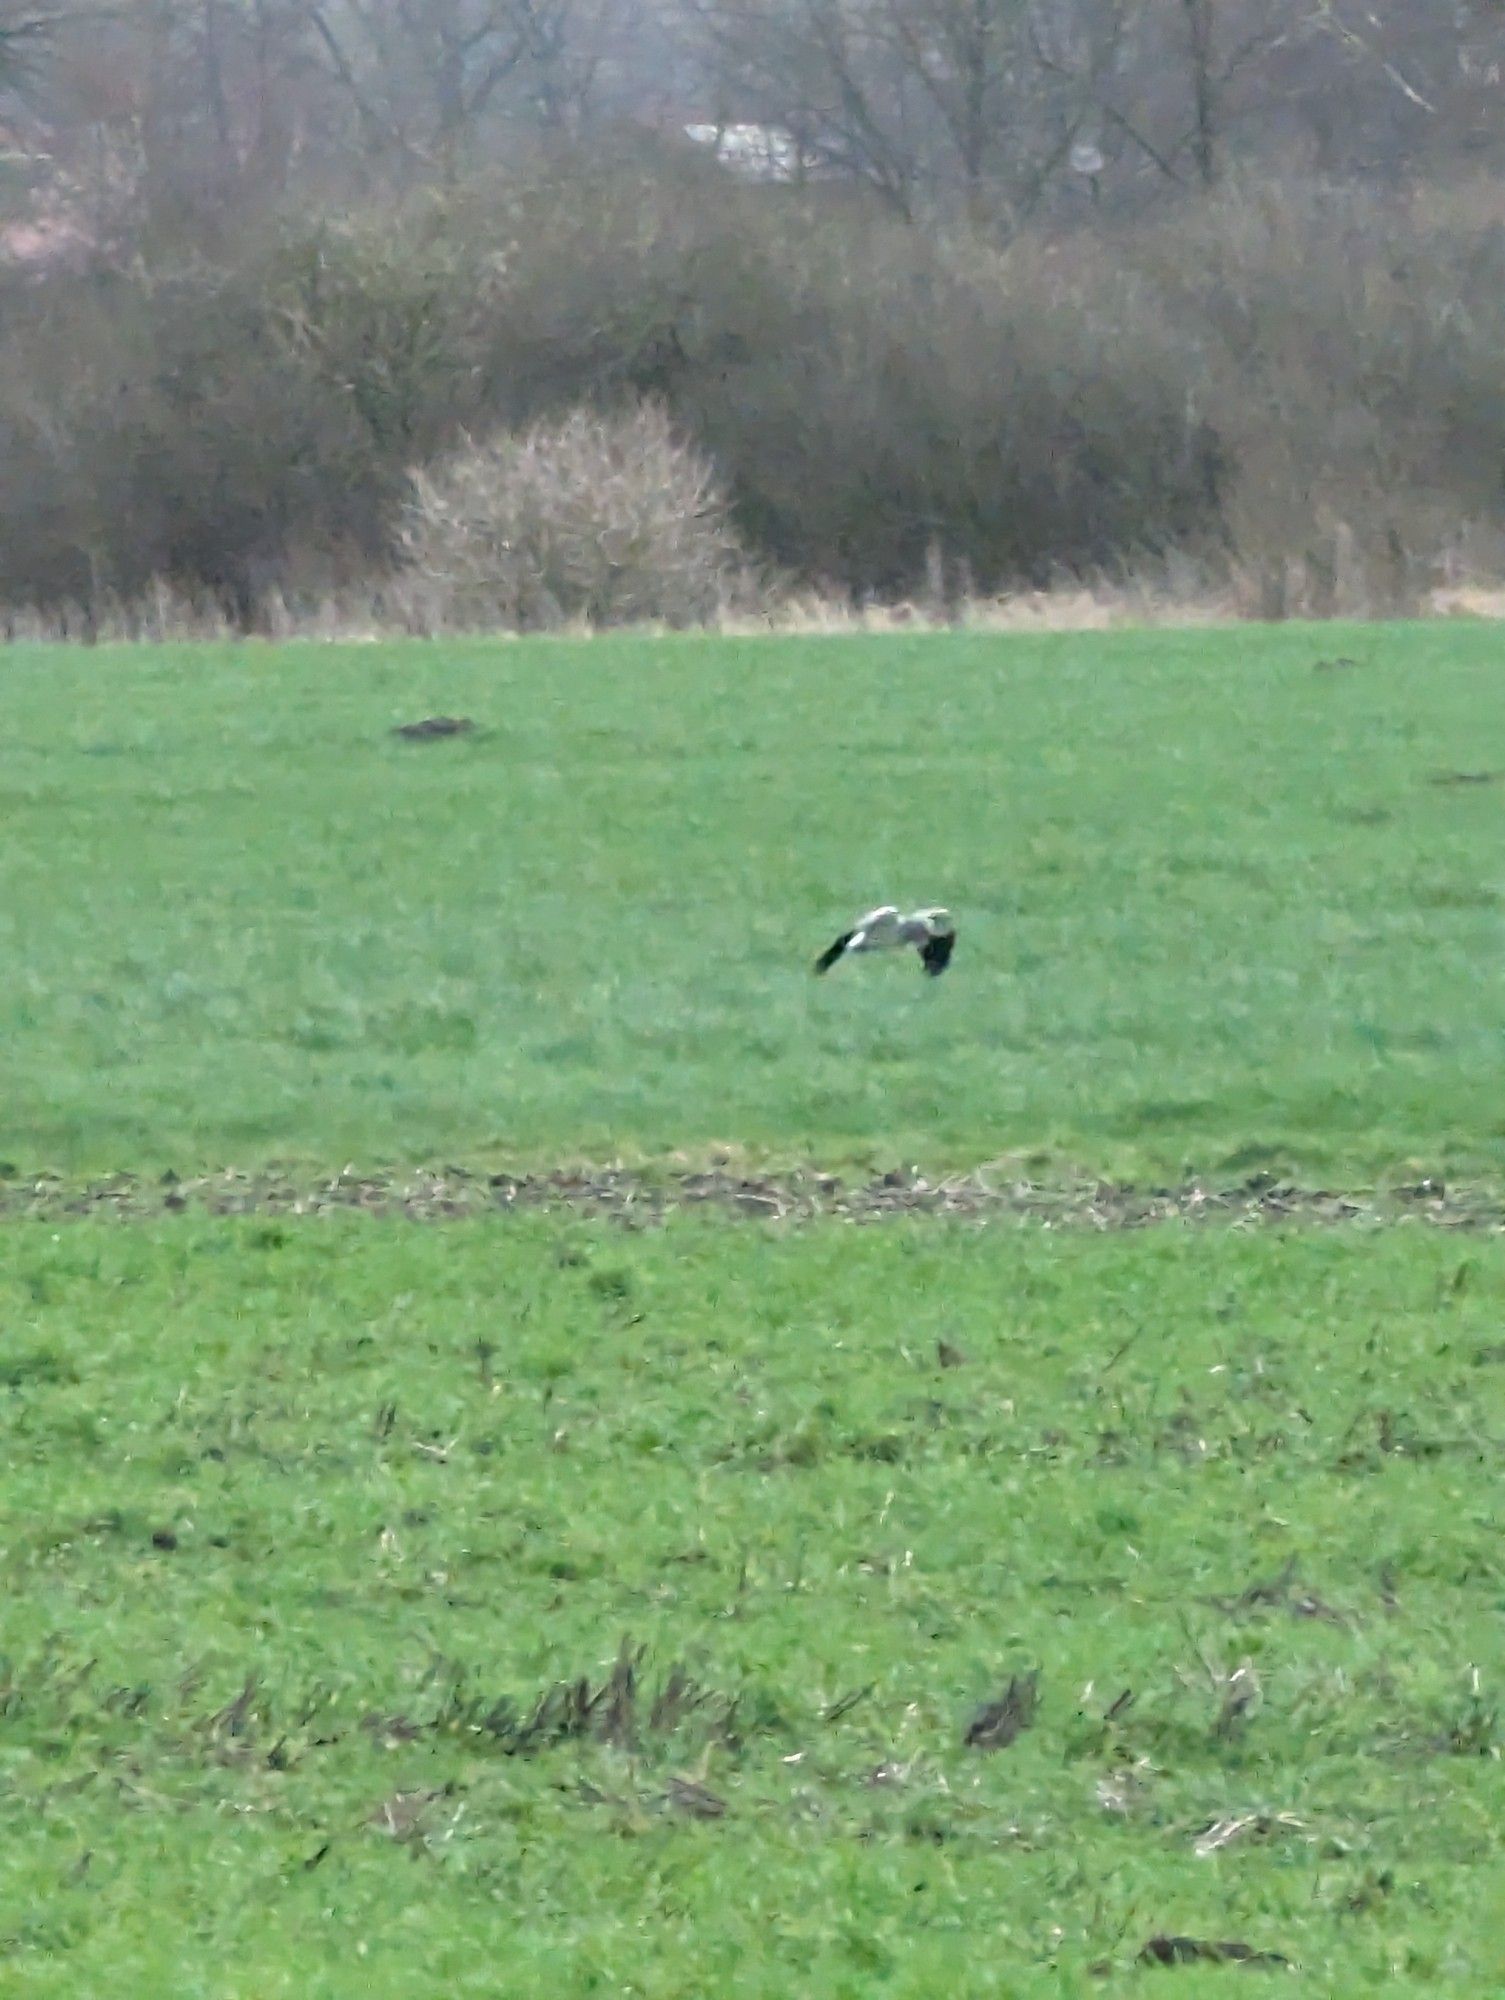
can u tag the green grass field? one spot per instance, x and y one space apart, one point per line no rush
320 1535
303 1520
1216 913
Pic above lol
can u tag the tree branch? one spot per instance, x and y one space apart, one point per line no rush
1328 19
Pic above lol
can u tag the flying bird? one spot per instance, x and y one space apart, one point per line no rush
931 932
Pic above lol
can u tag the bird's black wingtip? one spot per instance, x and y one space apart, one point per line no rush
830 955
935 953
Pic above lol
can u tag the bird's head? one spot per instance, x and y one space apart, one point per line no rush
938 922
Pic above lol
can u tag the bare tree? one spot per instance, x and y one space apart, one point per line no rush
1174 81
1222 45
1093 54
201 102
25 33
197 106
968 57
418 73
913 97
1360 85
994 99
1395 86
818 68
578 55
425 78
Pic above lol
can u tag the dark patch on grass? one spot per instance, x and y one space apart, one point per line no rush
232 1722
999 1723
1373 1889
1165 1111
848 1702
1168 1950
1471 1729
813 1442
1454 896
433 727
1238 1697
1474 1732
1377 1436
36 1367
698 1801
1281 1593
622 1710
404 1816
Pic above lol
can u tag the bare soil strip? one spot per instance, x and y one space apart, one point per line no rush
642 1198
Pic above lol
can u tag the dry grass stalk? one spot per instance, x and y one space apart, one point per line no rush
1179 596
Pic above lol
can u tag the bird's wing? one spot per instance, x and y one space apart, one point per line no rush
833 951
878 916
935 953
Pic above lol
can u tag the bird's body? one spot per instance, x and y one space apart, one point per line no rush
930 932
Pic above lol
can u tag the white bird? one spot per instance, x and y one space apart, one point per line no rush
931 931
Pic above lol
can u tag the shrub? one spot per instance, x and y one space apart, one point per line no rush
1299 387
610 519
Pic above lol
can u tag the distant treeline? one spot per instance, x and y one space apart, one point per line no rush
1304 380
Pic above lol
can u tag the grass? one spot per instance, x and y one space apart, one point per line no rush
1216 914
303 1520
541 1605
